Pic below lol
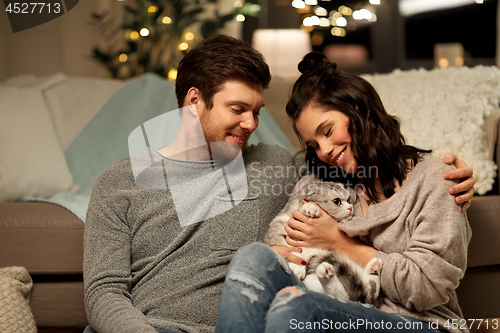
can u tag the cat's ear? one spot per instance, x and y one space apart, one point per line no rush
312 189
337 186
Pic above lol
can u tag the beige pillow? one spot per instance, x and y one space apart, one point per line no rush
31 159
15 291
446 110
74 101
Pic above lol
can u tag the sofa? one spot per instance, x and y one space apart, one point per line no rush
64 131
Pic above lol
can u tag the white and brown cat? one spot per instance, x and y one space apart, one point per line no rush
327 271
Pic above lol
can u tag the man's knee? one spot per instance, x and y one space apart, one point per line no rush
286 299
289 290
258 257
254 254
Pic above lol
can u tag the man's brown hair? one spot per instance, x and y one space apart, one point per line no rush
216 60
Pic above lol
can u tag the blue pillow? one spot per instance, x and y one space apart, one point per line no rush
104 141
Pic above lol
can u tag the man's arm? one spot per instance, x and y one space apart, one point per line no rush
107 267
464 190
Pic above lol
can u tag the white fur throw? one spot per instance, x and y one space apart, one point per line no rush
445 110
15 290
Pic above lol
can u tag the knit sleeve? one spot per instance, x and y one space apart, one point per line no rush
428 271
107 267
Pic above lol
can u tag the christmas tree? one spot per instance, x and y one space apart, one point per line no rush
154 35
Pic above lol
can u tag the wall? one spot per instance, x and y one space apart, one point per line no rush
64 44
61 45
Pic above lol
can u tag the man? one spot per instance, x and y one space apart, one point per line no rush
158 241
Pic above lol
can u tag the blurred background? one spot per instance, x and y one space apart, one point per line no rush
121 39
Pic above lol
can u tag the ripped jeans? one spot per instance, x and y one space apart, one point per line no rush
249 302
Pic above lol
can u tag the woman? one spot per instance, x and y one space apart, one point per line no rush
404 216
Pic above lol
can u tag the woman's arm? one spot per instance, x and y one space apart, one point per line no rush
434 257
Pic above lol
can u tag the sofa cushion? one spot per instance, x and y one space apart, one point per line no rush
74 101
483 218
58 304
478 293
44 238
32 160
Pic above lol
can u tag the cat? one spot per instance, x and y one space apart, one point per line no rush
328 271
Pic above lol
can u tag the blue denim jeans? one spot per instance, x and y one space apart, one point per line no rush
249 302
89 329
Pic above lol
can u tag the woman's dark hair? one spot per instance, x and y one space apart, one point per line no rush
216 60
376 139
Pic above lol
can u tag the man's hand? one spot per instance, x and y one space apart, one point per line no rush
465 189
286 252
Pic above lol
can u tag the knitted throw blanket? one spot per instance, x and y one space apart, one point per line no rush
446 110
15 290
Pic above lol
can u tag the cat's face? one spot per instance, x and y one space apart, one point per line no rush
334 198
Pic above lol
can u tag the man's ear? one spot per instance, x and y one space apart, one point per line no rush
194 101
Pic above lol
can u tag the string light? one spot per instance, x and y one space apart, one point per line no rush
324 22
362 14
339 32
189 36
172 74
443 63
240 18
334 14
123 57
238 4
144 32
344 10
319 16
307 22
166 20
341 22
152 9
298 4
134 35
320 11
183 46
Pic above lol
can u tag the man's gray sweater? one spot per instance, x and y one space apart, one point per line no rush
143 269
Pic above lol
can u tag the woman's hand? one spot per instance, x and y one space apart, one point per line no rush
303 231
286 252
465 189
323 232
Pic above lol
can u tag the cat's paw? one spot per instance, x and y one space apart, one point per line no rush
298 270
310 210
325 271
371 281
374 267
